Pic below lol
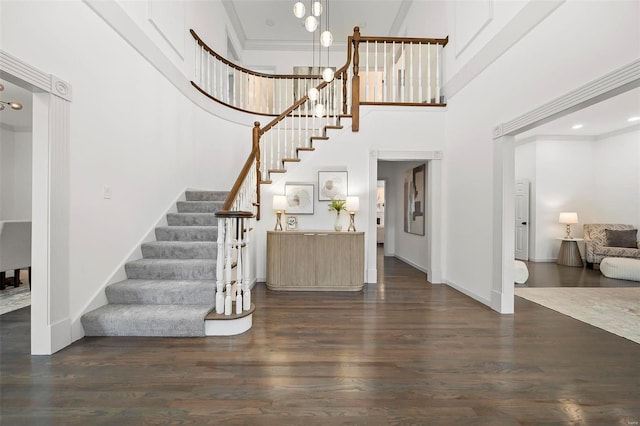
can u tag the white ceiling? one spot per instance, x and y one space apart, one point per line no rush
270 24
11 119
599 119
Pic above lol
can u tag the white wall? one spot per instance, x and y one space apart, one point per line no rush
15 175
596 177
130 129
569 48
616 192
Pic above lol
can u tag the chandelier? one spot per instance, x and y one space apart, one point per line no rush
12 104
311 23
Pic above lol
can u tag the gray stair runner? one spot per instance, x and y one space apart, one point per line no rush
171 289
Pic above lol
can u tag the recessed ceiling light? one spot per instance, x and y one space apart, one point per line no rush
577 126
636 118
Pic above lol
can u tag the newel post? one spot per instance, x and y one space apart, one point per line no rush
355 83
256 150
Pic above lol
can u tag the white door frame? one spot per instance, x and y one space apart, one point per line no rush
50 319
609 85
434 208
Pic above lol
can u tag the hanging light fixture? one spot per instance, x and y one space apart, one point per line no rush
326 39
299 10
320 110
316 9
14 105
311 23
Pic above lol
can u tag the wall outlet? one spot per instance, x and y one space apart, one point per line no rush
106 192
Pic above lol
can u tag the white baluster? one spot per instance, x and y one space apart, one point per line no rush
393 70
227 301
377 68
366 74
420 73
220 267
429 72
403 71
239 271
246 281
411 97
438 73
385 77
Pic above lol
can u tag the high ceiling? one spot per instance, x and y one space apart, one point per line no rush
270 24
11 119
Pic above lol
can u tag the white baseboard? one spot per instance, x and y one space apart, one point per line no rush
468 293
409 262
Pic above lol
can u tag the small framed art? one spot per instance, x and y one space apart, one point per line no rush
332 184
292 223
299 198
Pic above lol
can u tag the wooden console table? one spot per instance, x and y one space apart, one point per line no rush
315 260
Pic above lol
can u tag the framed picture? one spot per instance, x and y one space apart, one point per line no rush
292 223
332 184
299 198
414 196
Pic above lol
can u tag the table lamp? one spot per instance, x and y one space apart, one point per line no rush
568 218
279 206
353 205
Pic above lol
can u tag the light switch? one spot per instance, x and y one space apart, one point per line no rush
106 192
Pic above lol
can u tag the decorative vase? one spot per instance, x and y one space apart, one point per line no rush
337 224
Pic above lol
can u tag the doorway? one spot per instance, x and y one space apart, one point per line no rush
50 187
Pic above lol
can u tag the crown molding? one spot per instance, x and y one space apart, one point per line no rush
232 14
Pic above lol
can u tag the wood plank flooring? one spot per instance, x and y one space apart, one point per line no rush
403 352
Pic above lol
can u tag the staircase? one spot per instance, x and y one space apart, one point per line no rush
170 291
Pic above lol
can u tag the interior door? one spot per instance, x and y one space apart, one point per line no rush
522 220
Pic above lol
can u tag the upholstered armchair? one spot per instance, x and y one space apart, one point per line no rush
595 239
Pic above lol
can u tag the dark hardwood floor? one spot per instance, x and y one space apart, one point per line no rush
402 352
553 275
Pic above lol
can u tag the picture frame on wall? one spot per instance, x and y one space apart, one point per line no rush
332 184
292 223
300 198
414 200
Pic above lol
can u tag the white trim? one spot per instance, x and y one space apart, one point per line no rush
50 325
15 129
528 18
466 292
408 262
618 132
611 84
230 327
462 45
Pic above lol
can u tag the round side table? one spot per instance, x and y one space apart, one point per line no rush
569 254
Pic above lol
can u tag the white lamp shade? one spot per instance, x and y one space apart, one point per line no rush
327 75
279 203
326 38
568 217
353 204
313 94
311 23
299 9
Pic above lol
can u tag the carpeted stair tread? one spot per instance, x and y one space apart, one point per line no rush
199 206
186 233
146 320
171 269
192 219
161 292
180 250
206 195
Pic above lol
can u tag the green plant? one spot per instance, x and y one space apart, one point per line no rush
337 205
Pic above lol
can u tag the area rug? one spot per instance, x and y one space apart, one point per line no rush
616 310
12 298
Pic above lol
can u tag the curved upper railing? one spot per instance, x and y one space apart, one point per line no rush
242 89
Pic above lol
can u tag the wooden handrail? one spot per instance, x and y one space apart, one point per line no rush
248 71
409 40
305 98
